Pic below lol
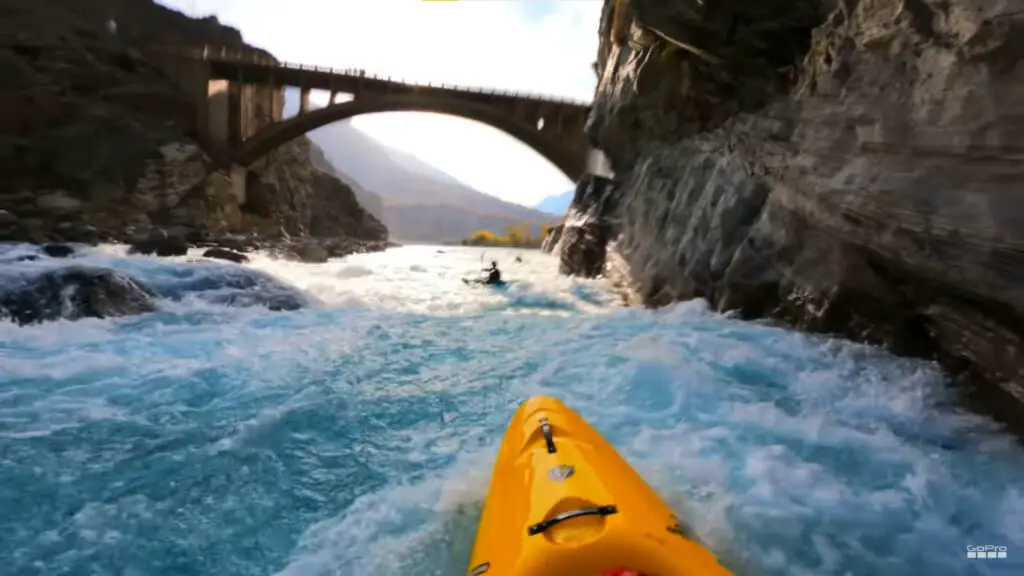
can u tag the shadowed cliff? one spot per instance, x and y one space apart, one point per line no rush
98 143
851 167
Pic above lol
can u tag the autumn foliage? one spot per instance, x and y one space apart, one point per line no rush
516 236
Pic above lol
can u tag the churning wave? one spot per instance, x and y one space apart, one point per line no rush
353 433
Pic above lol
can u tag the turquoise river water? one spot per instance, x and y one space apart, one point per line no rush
356 437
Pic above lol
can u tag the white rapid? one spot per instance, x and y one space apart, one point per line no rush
356 436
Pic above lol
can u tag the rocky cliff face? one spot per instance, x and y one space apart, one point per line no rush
850 166
97 142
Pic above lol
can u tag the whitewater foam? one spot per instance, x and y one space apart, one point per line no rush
356 436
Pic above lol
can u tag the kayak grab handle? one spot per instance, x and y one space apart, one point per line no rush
545 429
540 527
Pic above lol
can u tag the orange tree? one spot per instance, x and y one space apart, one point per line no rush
516 235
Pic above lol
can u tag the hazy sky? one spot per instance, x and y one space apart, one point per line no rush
544 46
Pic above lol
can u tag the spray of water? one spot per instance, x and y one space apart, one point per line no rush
597 163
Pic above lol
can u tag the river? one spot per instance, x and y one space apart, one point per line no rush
356 437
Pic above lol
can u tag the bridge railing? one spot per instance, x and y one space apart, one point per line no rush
225 54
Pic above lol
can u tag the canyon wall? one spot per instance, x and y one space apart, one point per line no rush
848 166
101 141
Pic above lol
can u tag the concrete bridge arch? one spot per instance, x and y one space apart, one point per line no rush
560 139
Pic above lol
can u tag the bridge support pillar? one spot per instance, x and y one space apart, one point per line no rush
238 177
218 113
236 113
303 100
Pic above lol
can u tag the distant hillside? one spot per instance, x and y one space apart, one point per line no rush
442 224
558 204
407 186
371 201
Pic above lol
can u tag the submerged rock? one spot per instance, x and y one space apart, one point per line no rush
74 292
851 171
236 286
58 250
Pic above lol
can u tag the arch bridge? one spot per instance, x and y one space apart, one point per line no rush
242 97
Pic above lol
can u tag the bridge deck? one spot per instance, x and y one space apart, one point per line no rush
254 68
332 80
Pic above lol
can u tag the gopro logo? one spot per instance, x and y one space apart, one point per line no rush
986 551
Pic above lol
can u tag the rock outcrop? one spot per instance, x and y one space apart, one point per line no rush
584 235
552 238
99 143
849 166
74 292
78 291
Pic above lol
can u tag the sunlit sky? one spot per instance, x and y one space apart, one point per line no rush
540 46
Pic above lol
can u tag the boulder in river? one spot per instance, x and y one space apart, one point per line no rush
74 292
225 254
58 250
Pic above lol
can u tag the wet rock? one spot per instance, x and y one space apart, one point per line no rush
165 247
57 250
309 252
588 227
169 246
72 293
234 243
553 237
224 254
341 247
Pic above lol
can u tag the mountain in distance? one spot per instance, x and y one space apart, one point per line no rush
415 200
557 204
370 201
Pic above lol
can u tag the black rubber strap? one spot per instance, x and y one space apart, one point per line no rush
545 428
540 527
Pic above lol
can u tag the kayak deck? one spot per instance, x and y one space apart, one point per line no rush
563 501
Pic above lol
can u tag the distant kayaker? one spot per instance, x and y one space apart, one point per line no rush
493 274
518 259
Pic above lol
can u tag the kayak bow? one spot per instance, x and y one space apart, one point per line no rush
562 501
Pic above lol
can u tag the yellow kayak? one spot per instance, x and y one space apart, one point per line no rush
563 502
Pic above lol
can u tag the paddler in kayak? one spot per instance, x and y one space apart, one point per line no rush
493 274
